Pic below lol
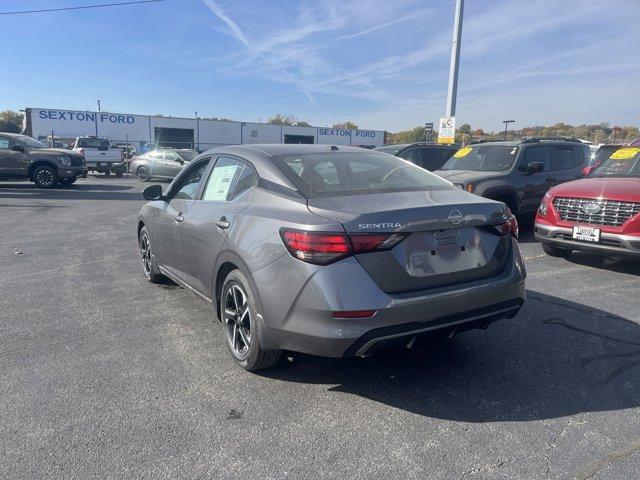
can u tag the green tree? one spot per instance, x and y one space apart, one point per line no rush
280 119
345 126
465 129
302 123
11 121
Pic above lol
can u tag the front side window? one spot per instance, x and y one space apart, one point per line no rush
538 155
28 142
190 182
4 143
483 158
435 158
222 180
347 173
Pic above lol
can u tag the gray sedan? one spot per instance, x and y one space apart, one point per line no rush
333 251
164 163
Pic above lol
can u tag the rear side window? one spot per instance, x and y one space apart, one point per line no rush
346 173
434 158
565 158
247 179
538 155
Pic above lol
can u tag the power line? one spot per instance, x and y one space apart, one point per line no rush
81 7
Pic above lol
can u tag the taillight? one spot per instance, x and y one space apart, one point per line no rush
365 242
323 248
510 227
82 151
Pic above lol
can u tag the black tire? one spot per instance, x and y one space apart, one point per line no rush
68 181
556 251
143 174
241 332
119 174
45 176
107 173
149 265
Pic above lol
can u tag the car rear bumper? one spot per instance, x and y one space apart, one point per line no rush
309 326
610 243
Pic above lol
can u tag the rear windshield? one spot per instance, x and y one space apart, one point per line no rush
93 143
348 173
624 162
187 155
483 158
390 149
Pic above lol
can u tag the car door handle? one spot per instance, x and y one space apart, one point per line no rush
223 223
179 218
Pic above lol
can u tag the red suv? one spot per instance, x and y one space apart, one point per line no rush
600 213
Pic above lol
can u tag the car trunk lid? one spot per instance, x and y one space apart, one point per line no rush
447 236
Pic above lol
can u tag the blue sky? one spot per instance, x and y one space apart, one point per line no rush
383 64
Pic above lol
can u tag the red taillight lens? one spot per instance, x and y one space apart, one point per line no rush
365 242
510 227
324 248
316 247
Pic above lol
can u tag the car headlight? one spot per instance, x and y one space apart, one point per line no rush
543 208
66 161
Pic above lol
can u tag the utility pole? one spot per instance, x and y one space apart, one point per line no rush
455 60
98 105
506 125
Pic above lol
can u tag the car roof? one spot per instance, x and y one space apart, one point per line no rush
273 149
13 134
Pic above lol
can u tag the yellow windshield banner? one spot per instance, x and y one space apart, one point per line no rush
463 152
625 153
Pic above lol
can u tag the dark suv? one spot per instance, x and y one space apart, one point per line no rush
429 156
23 157
517 173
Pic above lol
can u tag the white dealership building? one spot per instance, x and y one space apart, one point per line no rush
150 131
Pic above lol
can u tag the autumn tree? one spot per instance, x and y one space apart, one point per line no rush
11 122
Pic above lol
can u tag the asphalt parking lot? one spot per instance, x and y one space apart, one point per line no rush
103 375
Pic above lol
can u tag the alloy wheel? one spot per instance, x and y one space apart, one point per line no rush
145 253
237 320
45 177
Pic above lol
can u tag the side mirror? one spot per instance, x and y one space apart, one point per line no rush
586 171
152 192
535 167
17 148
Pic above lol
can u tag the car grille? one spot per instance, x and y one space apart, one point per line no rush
77 161
611 213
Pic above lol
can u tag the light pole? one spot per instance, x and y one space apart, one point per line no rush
197 131
506 126
98 105
455 60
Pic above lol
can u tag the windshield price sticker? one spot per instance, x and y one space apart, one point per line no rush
463 152
625 153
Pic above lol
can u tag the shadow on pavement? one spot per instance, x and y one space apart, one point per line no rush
620 265
556 358
77 191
